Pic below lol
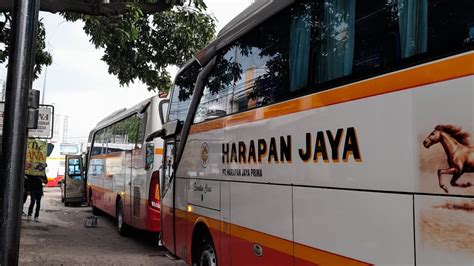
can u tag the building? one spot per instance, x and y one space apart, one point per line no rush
3 87
61 127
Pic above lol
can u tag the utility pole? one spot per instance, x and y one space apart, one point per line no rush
12 163
44 84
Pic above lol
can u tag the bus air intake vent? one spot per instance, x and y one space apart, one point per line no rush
136 201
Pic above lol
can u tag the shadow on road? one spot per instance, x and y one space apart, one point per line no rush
62 238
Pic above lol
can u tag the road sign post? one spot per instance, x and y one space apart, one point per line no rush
12 163
45 122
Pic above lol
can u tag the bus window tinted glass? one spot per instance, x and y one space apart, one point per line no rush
450 25
315 45
97 147
377 40
124 135
216 99
357 39
69 149
182 92
334 39
273 60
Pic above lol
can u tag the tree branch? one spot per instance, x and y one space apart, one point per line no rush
95 8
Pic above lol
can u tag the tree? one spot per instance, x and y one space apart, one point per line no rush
43 58
140 39
101 7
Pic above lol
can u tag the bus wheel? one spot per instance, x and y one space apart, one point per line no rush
121 226
207 253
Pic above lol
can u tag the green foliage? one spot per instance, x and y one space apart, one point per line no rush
138 46
43 58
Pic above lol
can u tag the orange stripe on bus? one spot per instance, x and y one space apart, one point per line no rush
443 70
313 255
322 257
276 243
159 151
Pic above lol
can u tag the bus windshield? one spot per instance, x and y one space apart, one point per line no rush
68 149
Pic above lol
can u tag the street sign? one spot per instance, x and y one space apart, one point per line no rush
45 122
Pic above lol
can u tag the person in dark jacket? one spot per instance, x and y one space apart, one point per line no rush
36 192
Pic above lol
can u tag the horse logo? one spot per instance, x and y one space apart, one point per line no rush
459 153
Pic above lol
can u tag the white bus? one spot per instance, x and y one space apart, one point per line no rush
123 167
56 160
300 136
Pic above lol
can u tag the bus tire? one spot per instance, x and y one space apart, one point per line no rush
122 228
206 253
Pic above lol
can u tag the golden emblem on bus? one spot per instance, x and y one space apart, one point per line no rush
204 154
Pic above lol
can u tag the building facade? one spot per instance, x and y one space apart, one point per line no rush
61 127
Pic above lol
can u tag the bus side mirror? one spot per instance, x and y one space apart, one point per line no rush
149 156
169 130
163 106
157 134
50 149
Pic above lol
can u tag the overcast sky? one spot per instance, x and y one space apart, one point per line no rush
78 84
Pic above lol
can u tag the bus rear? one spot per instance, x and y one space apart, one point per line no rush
123 167
56 161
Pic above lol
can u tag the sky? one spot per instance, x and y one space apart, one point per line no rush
78 83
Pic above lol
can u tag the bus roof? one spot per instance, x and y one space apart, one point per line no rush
252 16
123 113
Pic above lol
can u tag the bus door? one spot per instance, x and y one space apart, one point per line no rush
167 194
73 188
128 204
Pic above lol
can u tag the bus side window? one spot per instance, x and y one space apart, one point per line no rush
182 92
141 130
450 25
274 59
127 134
385 34
96 161
168 166
216 98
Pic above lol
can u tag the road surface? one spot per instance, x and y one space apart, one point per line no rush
60 238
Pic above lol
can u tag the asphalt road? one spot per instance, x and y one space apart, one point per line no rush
60 238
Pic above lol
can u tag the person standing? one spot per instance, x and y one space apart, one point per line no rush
36 192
